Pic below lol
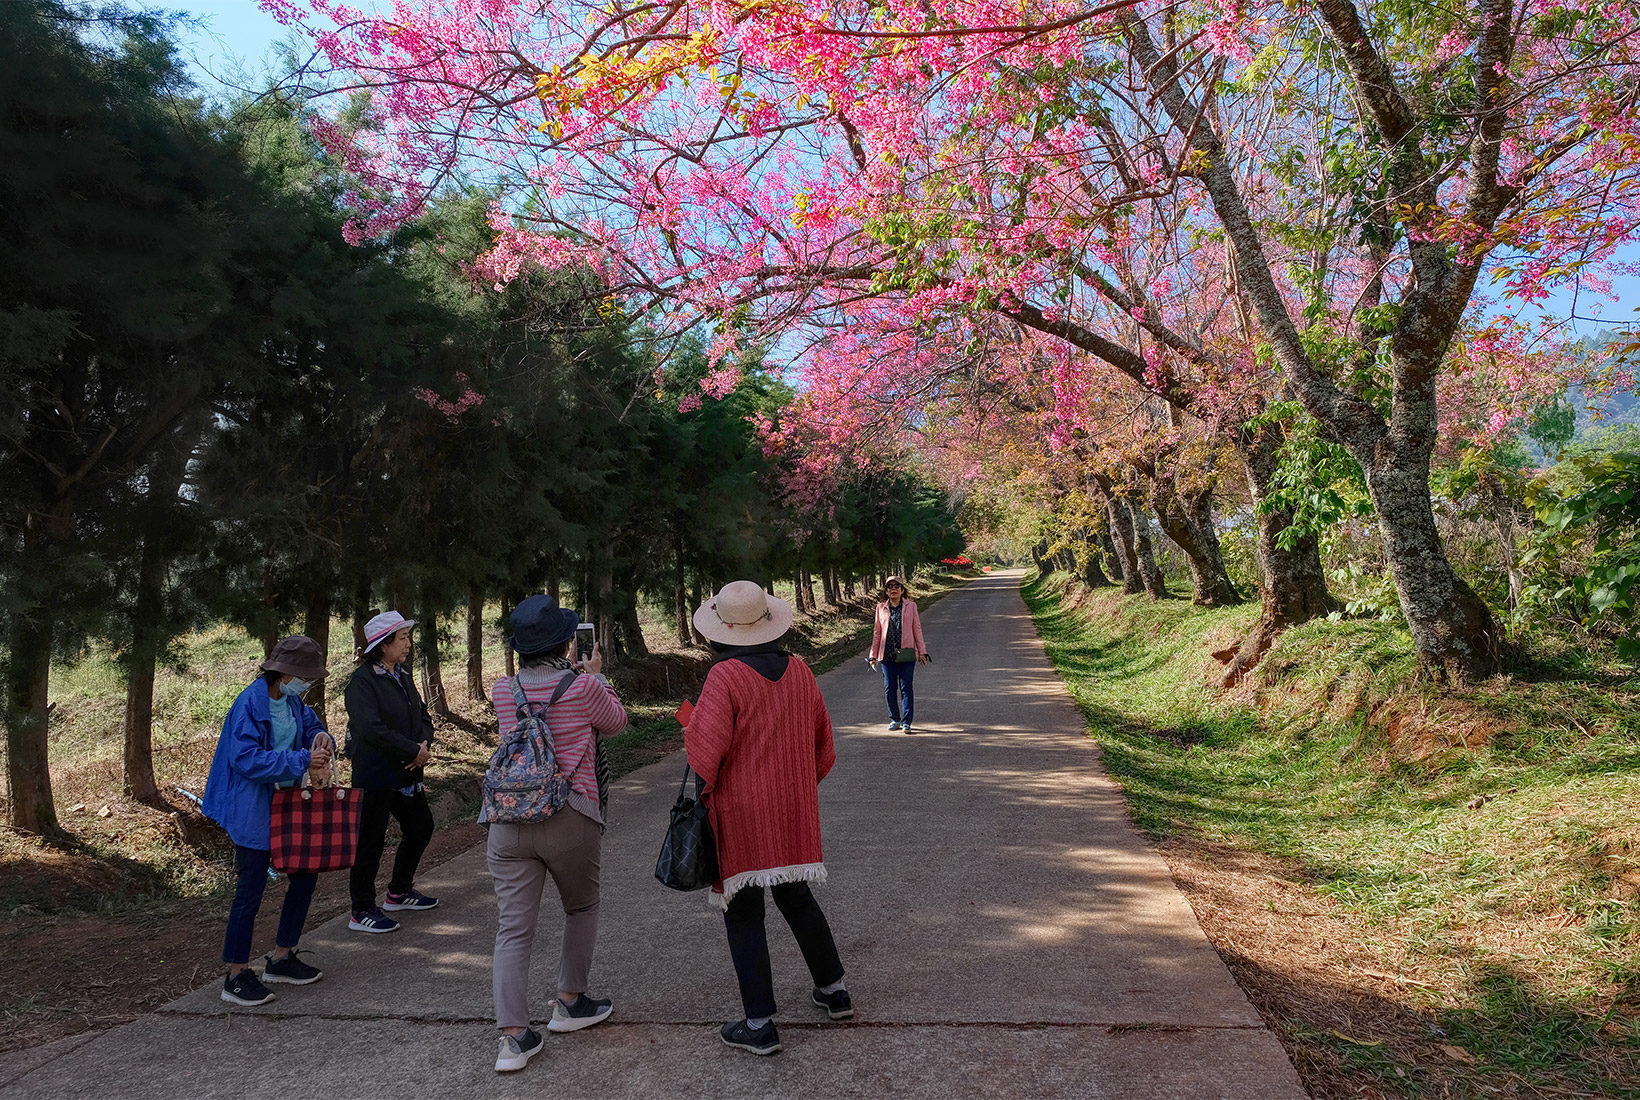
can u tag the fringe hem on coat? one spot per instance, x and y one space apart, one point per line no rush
773 876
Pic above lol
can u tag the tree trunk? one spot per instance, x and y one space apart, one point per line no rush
475 645
1457 638
432 671
1092 575
1112 561
1121 534
506 642
317 627
146 631
1189 523
1294 588
606 592
1155 583
632 633
28 683
361 611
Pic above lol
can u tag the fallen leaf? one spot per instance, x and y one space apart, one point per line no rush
1458 1053
1359 1042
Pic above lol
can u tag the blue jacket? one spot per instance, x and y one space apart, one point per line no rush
245 770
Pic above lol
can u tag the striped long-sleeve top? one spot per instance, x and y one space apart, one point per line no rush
588 709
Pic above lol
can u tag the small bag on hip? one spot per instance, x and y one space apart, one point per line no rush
688 859
312 828
903 654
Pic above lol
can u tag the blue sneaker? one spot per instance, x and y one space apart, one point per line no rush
373 920
411 899
893 723
738 1033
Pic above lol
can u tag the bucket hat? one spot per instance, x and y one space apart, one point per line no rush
539 624
298 656
382 627
743 614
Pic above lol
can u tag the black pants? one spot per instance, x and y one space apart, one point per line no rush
749 942
415 819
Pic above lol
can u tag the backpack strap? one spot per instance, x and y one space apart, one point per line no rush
557 694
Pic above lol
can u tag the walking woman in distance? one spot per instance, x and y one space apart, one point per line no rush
760 739
897 646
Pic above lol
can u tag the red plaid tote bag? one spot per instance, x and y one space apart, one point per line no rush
315 828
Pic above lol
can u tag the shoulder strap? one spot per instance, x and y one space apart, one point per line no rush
557 694
563 686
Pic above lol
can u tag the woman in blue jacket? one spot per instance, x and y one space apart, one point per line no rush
267 742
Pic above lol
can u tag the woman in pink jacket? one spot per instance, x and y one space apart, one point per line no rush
897 645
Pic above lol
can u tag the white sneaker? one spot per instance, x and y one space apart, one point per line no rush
586 1011
516 1052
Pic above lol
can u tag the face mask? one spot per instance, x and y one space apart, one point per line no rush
297 687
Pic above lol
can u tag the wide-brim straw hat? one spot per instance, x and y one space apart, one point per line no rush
743 614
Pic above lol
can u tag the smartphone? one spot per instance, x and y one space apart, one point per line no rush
584 635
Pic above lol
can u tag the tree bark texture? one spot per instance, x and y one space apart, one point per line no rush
1188 521
1155 584
475 645
432 671
28 682
137 763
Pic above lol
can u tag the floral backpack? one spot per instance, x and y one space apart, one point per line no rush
524 782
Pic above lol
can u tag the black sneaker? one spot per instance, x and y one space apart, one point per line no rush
516 1051
837 1005
585 1012
244 988
290 970
373 920
410 899
765 1040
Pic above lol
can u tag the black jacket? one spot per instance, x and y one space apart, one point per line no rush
386 723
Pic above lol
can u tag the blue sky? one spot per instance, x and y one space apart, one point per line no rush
234 40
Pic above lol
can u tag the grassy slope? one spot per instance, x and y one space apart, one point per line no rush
1474 858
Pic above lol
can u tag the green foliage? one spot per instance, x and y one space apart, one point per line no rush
1317 479
1588 545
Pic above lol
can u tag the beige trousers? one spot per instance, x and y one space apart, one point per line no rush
566 846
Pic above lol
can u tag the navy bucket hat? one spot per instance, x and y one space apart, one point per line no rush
539 624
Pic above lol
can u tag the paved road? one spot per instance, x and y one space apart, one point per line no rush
1005 929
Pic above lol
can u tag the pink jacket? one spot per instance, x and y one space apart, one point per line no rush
911 634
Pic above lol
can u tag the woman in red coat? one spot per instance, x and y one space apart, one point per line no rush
760 739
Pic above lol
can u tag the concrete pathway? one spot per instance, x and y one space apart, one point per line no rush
1005 929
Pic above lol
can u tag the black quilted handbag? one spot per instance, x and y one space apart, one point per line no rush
688 859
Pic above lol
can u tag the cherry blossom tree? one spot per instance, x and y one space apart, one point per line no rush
1202 197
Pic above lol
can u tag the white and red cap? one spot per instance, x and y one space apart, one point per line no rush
382 627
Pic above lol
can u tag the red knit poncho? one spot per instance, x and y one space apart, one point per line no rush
762 749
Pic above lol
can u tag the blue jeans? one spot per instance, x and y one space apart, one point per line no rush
897 685
252 865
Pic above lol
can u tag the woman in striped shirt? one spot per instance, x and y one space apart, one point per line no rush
567 845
